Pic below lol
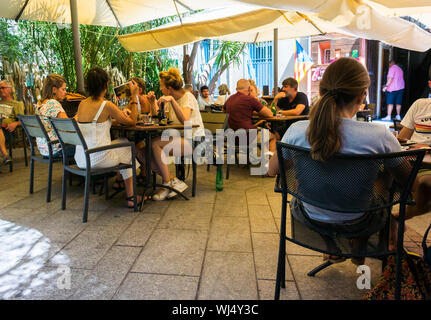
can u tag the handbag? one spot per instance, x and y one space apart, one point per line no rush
415 284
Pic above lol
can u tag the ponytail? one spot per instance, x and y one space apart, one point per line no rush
323 131
343 81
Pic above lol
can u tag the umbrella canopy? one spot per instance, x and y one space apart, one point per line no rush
248 24
102 12
241 23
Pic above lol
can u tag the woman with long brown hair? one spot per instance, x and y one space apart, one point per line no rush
49 106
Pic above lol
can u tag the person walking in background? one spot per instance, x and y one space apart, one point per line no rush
394 89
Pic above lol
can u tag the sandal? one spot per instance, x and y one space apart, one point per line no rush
120 185
132 198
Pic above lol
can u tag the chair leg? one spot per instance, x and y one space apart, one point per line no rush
86 198
227 171
105 181
154 181
31 175
324 265
281 266
48 192
10 134
64 190
25 149
208 167
194 167
93 184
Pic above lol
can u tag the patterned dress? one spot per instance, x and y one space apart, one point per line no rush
49 109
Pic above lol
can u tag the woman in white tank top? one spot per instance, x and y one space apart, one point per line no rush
94 119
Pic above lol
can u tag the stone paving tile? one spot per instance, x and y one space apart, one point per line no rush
139 231
204 194
337 282
109 273
184 215
230 234
171 251
156 206
116 216
267 290
265 249
256 197
261 219
88 247
231 204
48 284
140 286
228 276
230 209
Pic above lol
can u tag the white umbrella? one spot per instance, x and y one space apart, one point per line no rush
248 24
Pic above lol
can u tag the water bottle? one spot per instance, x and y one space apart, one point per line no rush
273 108
219 179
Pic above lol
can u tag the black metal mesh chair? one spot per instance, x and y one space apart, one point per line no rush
34 128
68 132
346 184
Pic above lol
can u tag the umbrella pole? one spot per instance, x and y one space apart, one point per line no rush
379 79
77 47
275 61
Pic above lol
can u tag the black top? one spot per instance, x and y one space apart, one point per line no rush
301 98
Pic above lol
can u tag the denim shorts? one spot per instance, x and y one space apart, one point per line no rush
395 97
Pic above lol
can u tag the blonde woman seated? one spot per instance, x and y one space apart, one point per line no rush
94 119
224 93
182 106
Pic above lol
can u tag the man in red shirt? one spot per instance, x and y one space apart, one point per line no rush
240 107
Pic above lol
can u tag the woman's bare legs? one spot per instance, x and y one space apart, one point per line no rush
159 155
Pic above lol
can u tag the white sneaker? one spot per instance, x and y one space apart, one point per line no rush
163 193
178 185
398 117
387 118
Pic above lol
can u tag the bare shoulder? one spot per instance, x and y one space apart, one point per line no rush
111 106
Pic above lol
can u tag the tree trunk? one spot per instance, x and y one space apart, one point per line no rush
188 62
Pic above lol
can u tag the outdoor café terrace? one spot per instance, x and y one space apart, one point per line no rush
217 245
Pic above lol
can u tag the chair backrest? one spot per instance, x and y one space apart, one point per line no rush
347 182
68 132
33 127
213 121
